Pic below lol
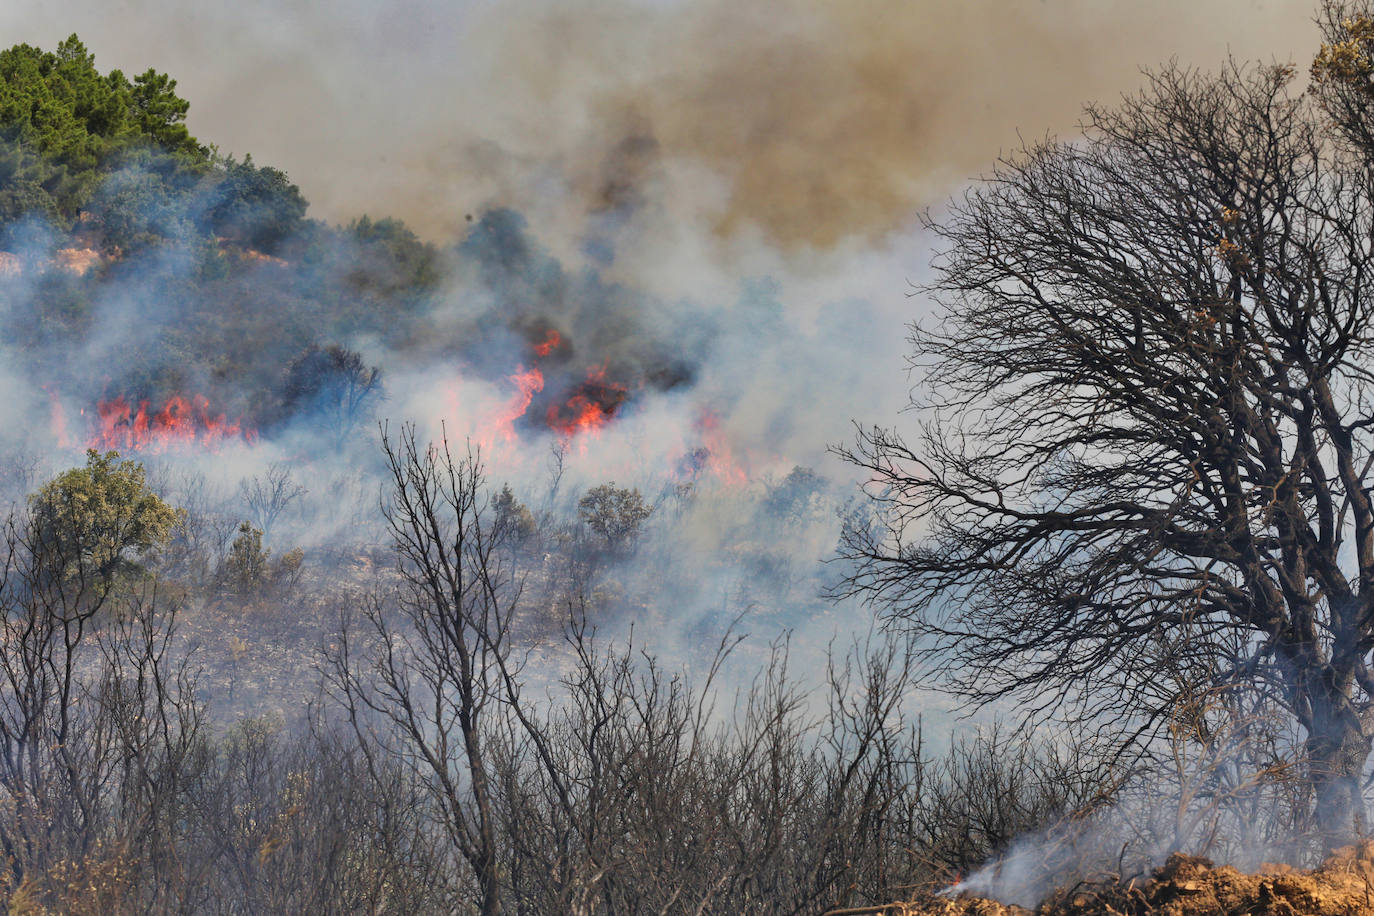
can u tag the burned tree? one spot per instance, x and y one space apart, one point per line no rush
424 674
269 495
1146 443
98 723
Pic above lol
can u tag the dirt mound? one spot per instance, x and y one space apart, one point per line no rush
1191 886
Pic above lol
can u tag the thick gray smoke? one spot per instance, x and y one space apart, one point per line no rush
711 205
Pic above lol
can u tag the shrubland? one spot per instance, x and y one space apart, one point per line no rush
1137 508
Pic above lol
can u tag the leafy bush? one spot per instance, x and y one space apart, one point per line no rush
100 521
614 513
249 572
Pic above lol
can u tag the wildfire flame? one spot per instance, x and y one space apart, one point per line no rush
588 406
580 409
550 343
181 423
592 404
59 419
528 383
719 457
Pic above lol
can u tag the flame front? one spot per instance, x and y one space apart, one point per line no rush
58 421
182 423
528 383
577 410
719 457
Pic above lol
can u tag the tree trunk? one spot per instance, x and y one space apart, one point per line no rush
491 888
1337 749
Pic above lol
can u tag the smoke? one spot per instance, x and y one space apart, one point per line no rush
1222 778
712 205
830 121
712 196
808 124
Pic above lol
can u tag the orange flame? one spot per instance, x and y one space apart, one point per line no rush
588 409
592 403
528 383
713 456
181 423
58 419
550 344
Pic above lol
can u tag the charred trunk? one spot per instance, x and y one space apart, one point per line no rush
1337 750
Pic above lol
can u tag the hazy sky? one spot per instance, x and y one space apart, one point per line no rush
810 121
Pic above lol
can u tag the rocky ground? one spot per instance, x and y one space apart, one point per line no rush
1191 886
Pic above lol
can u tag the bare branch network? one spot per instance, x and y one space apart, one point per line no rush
1145 462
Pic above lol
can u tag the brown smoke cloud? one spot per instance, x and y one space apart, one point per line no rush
808 122
825 119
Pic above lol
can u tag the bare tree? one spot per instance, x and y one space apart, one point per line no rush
1149 413
269 495
98 724
18 473
430 674
628 790
204 531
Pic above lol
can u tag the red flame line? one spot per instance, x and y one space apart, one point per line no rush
528 383
722 461
181 423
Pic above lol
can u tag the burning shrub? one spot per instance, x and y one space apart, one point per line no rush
1192 886
180 423
592 402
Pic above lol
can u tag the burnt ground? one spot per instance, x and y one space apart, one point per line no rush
1193 886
